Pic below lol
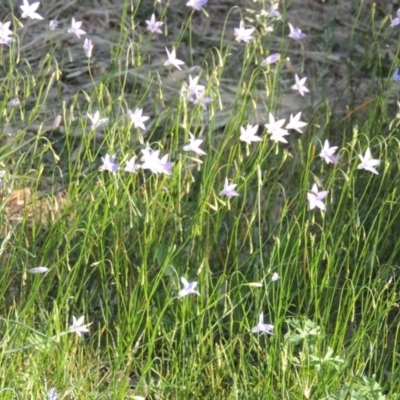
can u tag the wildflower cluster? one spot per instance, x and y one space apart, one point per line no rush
278 130
275 132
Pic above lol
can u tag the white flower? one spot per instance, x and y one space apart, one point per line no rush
328 153
248 134
88 47
77 326
5 33
300 85
2 174
228 190
315 198
137 119
200 98
188 288
5 29
150 159
153 163
195 93
193 90
172 60
153 25
274 128
275 277
273 125
194 145
28 11
96 120
52 394
368 163
278 136
261 327
243 34
75 28
131 165
295 123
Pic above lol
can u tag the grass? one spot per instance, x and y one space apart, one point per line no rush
117 244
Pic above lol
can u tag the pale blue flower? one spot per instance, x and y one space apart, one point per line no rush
328 153
396 75
53 24
315 198
271 59
396 20
274 13
156 165
295 33
109 164
166 165
196 4
88 47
